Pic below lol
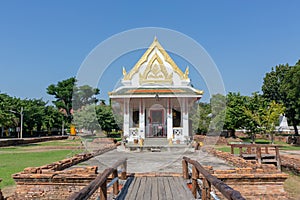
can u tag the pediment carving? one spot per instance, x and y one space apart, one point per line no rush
155 72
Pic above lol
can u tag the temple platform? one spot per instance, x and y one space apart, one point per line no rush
156 145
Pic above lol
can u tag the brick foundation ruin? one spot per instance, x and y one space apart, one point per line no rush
58 181
18 141
61 184
251 179
254 184
55 180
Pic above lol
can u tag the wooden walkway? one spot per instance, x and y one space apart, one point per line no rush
155 188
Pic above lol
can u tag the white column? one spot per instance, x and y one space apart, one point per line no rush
169 120
126 118
142 119
185 117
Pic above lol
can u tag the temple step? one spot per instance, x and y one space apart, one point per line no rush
156 141
155 150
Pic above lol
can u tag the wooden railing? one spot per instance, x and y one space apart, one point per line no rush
101 182
259 152
207 181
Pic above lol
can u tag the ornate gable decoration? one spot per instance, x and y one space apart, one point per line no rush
155 72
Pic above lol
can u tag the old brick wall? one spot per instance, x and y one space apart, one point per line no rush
56 180
52 185
240 162
251 179
60 185
291 163
18 141
254 184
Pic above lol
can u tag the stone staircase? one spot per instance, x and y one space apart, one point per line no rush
156 142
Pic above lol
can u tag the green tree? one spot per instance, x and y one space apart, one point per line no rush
86 118
218 111
69 97
6 105
282 86
235 115
106 118
271 116
33 114
200 119
272 83
290 89
254 111
84 95
52 118
63 92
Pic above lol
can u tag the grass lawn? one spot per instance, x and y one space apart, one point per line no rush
227 149
13 160
284 146
291 186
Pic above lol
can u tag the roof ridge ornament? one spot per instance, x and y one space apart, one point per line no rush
124 72
155 45
186 73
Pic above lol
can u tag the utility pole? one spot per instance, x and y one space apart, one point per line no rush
21 131
21 116
63 128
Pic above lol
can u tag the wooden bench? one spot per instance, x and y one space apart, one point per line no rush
259 152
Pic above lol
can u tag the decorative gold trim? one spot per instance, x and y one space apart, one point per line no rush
144 58
155 73
200 92
124 71
186 73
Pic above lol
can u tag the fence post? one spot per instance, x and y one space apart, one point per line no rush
195 176
267 150
241 152
116 184
185 169
258 154
248 150
278 158
124 170
103 191
232 149
206 189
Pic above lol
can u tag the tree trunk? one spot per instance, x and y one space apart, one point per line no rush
253 136
294 121
272 137
296 130
232 133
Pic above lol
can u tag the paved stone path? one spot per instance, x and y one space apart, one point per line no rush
155 161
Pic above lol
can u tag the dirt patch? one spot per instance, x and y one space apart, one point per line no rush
42 149
8 191
291 162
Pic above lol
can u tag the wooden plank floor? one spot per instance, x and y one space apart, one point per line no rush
162 188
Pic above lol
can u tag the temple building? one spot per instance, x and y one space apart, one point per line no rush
155 97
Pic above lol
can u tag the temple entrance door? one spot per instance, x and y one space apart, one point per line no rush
157 126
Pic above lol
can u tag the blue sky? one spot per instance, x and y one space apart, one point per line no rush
43 42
